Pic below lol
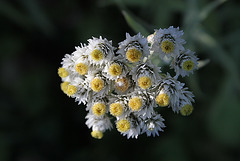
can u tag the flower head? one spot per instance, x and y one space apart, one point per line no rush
167 42
126 84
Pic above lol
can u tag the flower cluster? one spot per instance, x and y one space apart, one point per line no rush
122 83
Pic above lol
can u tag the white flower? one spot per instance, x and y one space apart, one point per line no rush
115 69
169 92
99 84
98 123
83 93
145 75
129 126
148 102
168 42
100 51
134 49
152 125
124 85
185 63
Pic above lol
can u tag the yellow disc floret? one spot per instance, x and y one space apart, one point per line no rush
62 72
123 125
144 82
116 109
133 55
167 46
81 68
97 134
99 109
71 90
96 55
188 65
64 86
162 100
186 110
122 84
115 70
97 84
135 103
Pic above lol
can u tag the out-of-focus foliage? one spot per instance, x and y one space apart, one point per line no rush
39 123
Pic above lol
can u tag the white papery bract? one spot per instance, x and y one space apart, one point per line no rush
167 42
134 49
185 63
123 84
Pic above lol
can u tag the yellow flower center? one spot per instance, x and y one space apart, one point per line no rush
133 55
167 46
97 134
115 69
99 109
121 84
123 125
81 68
97 84
135 103
97 55
144 82
188 65
186 110
116 109
162 100
62 72
71 90
64 86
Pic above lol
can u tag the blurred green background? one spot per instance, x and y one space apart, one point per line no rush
40 123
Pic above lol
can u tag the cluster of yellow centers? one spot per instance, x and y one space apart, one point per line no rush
123 125
97 134
188 65
144 82
135 103
133 55
62 72
162 99
96 55
97 84
122 84
99 109
167 46
116 109
68 89
81 68
186 110
115 70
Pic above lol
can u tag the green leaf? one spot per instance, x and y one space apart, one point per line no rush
224 115
132 22
209 8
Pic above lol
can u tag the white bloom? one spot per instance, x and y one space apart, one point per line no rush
168 42
185 63
152 125
99 84
100 51
146 74
169 92
134 49
115 69
98 123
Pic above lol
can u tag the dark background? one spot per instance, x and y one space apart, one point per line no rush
40 123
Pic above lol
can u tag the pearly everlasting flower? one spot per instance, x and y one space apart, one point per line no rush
99 51
167 42
134 49
151 126
185 63
146 75
125 86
